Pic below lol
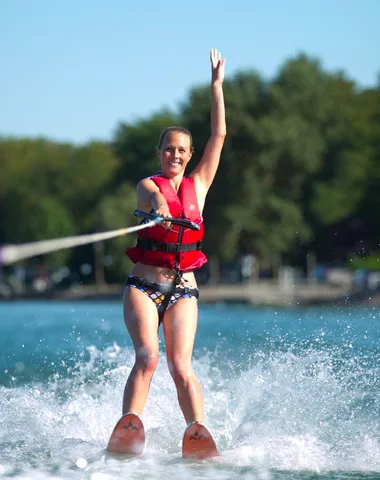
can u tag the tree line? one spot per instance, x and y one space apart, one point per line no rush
302 155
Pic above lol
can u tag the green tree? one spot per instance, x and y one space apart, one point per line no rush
87 176
136 147
116 211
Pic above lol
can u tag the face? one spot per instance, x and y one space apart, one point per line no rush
175 153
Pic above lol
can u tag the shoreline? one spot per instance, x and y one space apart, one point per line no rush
262 293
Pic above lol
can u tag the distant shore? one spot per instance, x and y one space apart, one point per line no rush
261 293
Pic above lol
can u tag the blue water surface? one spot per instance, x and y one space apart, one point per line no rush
289 393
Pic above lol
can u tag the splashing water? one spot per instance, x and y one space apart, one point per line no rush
279 406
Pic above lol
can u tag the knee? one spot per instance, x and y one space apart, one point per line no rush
146 360
180 370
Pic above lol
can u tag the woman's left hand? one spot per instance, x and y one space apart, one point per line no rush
217 65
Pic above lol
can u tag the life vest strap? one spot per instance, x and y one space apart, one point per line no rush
148 244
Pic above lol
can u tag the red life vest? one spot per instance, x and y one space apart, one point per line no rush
181 205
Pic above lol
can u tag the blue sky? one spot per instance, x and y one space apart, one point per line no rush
71 70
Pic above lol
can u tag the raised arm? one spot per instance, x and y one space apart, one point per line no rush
205 171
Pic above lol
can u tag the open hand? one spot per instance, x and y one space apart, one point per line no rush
217 65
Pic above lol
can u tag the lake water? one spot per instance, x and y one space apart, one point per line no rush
289 393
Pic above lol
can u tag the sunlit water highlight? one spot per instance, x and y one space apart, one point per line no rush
291 393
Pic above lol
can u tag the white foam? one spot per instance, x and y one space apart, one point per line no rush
279 411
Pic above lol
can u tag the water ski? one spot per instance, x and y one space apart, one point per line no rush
128 436
198 442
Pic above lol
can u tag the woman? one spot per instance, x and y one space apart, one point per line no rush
162 285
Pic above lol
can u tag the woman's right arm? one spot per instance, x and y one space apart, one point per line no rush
149 197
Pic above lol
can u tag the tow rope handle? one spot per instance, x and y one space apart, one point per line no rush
175 221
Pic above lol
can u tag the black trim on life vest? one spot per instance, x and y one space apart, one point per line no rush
148 244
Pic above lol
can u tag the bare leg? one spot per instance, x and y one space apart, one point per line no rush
180 324
141 320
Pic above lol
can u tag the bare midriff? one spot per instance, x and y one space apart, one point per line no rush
162 275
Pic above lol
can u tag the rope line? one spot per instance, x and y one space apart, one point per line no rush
13 253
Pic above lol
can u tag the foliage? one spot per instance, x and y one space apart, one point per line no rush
302 153
370 262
